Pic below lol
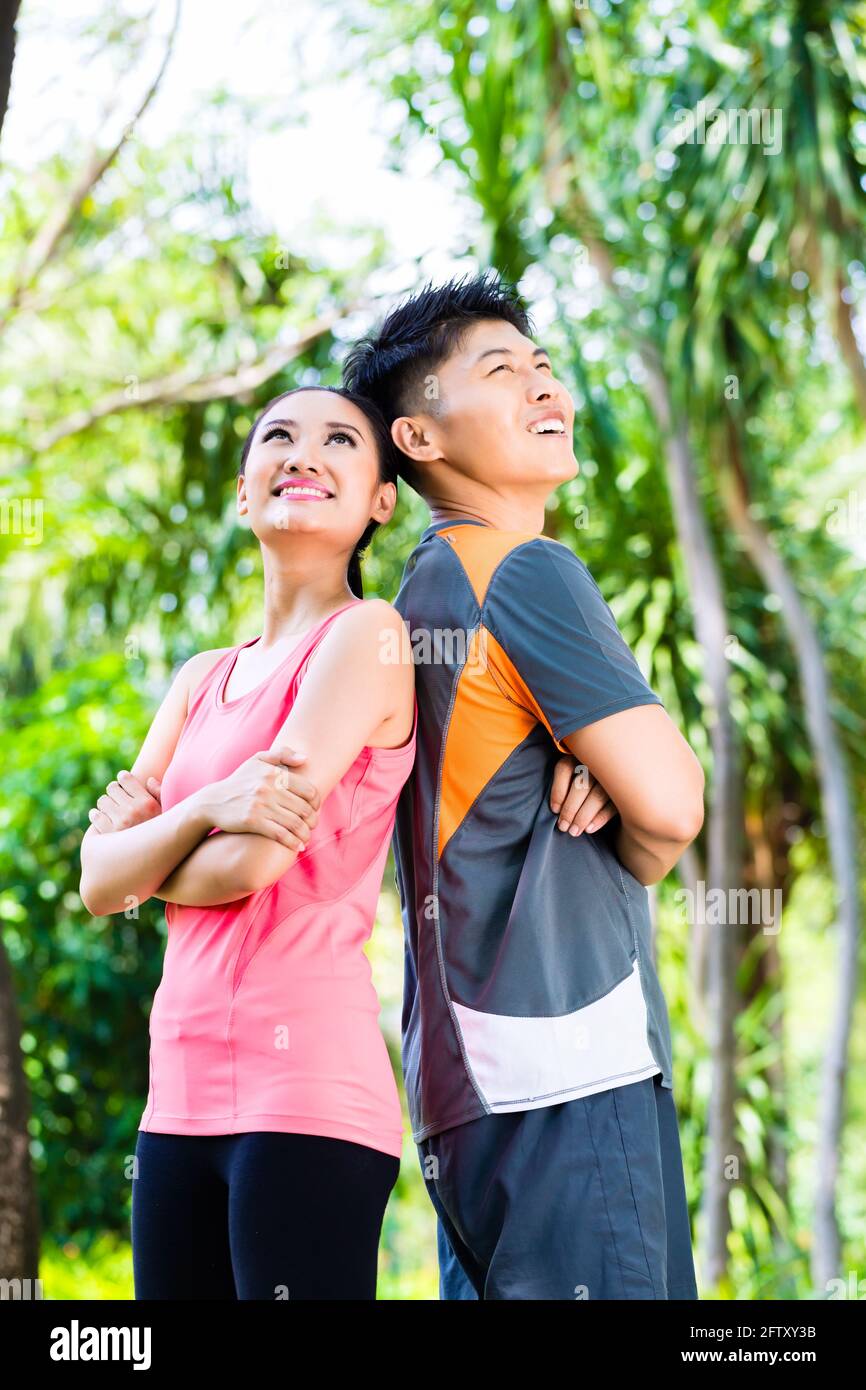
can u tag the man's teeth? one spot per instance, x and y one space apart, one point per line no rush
548 427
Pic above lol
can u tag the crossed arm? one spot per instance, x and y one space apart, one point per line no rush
653 779
173 855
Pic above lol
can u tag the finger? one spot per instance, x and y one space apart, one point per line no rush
288 781
282 755
581 785
562 774
285 837
296 825
99 821
592 804
130 784
289 802
117 794
154 786
607 813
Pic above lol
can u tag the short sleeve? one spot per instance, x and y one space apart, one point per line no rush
557 650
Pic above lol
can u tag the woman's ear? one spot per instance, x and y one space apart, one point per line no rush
243 506
386 502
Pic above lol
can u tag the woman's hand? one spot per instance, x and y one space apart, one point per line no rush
264 797
125 802
582 803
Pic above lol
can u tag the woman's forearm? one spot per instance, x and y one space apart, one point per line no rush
212 874
224 868
129 865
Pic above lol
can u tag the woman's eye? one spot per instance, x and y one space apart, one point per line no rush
276 432
340 434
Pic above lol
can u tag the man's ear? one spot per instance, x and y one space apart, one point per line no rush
415 436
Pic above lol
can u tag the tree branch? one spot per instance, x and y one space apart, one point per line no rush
45 243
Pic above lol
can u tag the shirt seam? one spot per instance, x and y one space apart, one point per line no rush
488 598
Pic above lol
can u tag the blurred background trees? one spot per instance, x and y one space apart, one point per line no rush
703 300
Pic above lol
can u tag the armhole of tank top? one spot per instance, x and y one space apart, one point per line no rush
368 747
205 683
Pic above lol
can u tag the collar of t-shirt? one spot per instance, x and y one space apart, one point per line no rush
435 526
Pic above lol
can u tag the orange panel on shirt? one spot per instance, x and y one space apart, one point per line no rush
481 549
487 723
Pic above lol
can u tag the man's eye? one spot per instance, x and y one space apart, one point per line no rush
499 368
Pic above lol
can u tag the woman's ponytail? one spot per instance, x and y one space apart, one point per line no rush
353 574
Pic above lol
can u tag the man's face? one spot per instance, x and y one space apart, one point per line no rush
495 393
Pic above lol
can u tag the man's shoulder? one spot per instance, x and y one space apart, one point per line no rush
502 568
535 566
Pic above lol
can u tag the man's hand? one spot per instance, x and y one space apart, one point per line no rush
126 802
582 803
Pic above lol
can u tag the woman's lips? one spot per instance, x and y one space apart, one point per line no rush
298 494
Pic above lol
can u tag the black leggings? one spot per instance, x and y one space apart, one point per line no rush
260 1215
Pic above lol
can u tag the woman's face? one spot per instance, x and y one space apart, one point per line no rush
312 470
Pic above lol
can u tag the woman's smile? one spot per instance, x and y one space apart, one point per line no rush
301 492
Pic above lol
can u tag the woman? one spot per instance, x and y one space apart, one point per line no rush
272 1134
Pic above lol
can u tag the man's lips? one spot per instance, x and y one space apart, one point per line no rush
549 423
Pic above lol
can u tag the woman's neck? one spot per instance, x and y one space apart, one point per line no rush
295 602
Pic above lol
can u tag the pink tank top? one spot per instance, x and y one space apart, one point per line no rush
266 1017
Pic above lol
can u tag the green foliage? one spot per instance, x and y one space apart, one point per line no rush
84 984
557 123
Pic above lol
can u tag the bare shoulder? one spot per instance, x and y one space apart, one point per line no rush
374 638
198 668
371 627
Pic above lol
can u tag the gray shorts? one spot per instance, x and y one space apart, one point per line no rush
583 1200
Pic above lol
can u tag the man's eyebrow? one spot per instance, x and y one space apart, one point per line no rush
329 424
536 352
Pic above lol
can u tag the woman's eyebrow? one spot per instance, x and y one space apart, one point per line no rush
329 424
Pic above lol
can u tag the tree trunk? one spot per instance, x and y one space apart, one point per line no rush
724 828
8 15
840 820
724 821
19 1214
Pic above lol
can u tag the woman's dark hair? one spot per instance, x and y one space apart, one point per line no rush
385 449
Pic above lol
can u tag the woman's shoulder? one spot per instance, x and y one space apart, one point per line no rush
376 632
372 614
197 669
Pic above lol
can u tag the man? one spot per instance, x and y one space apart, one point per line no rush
536 1042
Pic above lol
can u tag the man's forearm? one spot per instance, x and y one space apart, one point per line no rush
650 858
121 865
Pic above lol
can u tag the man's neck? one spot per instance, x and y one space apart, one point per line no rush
500 513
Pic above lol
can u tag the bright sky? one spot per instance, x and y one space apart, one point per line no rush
327 160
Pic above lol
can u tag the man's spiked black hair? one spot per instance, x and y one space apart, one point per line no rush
393 365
